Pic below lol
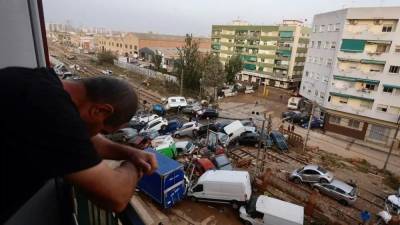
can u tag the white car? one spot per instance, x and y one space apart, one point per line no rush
144 118
188 129
185 147
155 125
107 72
160 140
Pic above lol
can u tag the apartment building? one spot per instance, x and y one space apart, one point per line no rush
352 72
272 54
129 44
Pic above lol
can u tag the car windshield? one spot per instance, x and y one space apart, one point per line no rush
222 137
222 161
322 170
189 145
353 192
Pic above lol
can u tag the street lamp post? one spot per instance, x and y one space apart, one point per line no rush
309 126
392 145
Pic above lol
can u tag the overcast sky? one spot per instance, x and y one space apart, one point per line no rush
189 16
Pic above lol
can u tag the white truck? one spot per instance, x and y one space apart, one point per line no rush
234 129
264 210
295 103
222 186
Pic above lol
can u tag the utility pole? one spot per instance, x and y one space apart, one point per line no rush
392 145
309 126
181 85
259 146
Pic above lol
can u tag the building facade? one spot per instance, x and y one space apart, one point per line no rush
129 44
352 72
272 54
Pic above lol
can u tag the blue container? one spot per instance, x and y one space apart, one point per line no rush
166 185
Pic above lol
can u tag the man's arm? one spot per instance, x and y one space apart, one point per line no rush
108 149
109 188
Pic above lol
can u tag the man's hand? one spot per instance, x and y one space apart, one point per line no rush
144 161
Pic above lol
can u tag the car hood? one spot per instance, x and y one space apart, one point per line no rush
394 199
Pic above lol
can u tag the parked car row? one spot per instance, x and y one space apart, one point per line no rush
302 119
324 181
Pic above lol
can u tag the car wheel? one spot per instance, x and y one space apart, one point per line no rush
194 199
235 204
177 135
343 202
297 180
323 181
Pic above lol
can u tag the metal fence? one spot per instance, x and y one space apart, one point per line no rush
145 72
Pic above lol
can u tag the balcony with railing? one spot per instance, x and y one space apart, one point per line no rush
373 50
370 29
359 69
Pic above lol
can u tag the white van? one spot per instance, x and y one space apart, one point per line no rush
265 210
234 129
295 103
223 186
175 102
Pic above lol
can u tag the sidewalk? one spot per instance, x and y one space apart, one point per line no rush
352 149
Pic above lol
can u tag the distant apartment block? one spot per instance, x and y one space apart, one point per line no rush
130 44
272 54
352 71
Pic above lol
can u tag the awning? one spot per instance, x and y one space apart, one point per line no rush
286 34
391 86
380 42
370 61
352 45
250 66
349 60
249 58
354 79
350 96
285 53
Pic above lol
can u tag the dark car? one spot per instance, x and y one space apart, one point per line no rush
222 162
173 125
159 109
315 123
290 114
136 125
253 139
203 129
295 117
191 109
207 113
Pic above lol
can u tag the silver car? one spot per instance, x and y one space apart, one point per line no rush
188 129
344 193
311 174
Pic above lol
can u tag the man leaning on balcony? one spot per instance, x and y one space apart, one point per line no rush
52 128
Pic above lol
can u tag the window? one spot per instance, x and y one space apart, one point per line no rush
333 45
322 28
329 62
130 46
334 120
310 172
321 60
337 27
378 133
354 123
198 188
343 100
316 92
319 44
126 46
387 28
394 69
340 191
304 87
135 47
312 44
387 89
315 28
330 27
327 43
370 87
381 108
321 95
397 49
306 73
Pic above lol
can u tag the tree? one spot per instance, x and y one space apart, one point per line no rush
213 73
232 67
189 64
157 60
106 57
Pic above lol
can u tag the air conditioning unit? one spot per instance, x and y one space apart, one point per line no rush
378 22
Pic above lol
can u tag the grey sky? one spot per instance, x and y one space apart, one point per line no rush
189 16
